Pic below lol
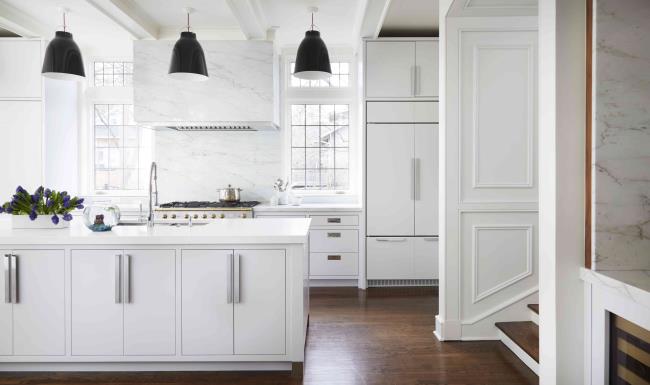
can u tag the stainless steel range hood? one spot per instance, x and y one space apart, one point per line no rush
241 93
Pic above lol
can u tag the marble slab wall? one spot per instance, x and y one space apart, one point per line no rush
193 165
622 135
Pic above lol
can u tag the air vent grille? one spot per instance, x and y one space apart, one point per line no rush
233 127
402 282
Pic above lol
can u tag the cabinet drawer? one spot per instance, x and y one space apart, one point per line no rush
344 264
335 220
390 258
334 241
402 112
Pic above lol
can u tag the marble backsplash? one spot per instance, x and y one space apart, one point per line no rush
193 165
622 135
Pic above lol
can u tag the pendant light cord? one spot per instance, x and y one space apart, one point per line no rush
188 22
312 21
64 26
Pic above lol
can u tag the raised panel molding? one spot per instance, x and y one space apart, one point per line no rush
477 294
527 181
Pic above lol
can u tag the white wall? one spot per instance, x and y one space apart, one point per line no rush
562 174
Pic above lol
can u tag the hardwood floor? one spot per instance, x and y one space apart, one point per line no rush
380 336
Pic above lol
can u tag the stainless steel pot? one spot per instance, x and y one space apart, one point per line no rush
229 194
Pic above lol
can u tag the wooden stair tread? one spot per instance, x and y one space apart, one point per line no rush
534 307
525 334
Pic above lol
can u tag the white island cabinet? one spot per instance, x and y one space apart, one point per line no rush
232 295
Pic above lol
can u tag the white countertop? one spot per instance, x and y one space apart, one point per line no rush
633 284
226 231
309 207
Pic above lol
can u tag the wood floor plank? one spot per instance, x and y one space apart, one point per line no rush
382 336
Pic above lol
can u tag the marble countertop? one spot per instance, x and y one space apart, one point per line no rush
633 284
309 207
226 231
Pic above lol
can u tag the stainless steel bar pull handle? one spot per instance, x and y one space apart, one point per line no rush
391 239
413 178
13 271
7 266
333 235
333 220
413 80
127 279
236 277
416 194
118 278
229 274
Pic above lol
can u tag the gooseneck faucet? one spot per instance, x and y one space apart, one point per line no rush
153 185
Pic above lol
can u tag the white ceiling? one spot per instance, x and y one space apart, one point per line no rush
411 18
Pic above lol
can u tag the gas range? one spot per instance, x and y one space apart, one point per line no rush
202 211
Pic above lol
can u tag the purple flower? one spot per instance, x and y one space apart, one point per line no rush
55 219
9 210
47 193
35 198
80 201
2 209
64 193
67 217
80 207
66 203
39 191
49 203
20 189
32 215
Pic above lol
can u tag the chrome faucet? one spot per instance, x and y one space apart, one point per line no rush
153 185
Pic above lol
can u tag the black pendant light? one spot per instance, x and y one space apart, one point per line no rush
188 59
63 57
312 60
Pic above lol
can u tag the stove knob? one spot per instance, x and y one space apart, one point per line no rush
214 216
205 216
173 216
222 215
196 216
164 216
244 215
187 216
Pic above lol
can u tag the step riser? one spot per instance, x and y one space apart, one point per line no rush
522 355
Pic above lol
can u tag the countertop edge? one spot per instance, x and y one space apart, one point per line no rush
633 292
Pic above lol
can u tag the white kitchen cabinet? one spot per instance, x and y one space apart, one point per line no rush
425 258
426 179
123 302
333 264
335 240
149 302
206 300
389 69
389 175
259 294
6 308
426 67
21 62
390 257
97 309
39 306
20 147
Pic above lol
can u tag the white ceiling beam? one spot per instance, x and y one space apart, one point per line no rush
372 18
20 23
250 18
124 15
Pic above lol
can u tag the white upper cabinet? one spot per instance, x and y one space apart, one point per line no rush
20 61
402 69
389 69
426 69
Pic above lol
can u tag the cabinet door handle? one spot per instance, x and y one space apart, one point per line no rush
417 187
391 239
333 257
333 220
127 279
333 235
417 80
413 178
413 80
229 273
13 270
7 265
118 278
236 278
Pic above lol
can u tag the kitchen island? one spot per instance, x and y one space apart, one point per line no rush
230 295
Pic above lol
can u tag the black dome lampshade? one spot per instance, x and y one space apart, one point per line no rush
188 59
312 59
63 58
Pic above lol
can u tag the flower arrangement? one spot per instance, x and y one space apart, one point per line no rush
43 202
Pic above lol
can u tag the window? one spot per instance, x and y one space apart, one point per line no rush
120 148
319 146
113 74
340 77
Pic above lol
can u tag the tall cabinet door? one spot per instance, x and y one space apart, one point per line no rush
150 302
426 64
260 301
97 297
390 167
390 69
426 179
6 309
39 314
207 306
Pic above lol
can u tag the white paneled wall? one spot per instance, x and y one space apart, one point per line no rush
490 133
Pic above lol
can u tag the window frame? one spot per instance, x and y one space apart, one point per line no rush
324 95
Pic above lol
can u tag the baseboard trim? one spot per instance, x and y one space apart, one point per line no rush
142 366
